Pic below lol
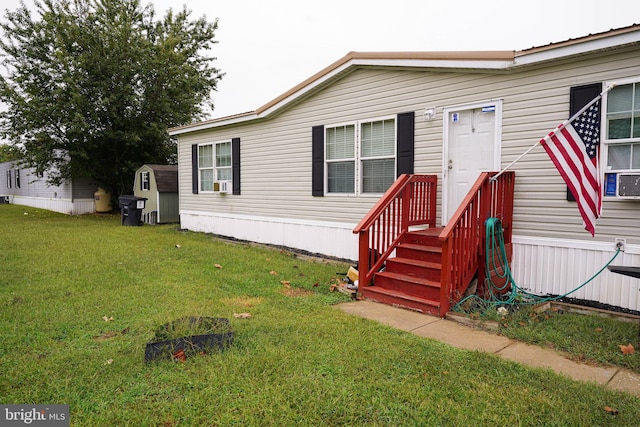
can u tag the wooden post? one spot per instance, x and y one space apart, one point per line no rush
364 276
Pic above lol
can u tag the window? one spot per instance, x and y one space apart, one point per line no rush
341 159
9 178
378 148
622 134
214 164
223 161
144 181
361 157
17 176
205 167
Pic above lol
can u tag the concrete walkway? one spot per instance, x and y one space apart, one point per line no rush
469 338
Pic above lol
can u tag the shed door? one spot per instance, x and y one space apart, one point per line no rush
471 147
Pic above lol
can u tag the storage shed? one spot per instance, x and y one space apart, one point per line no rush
159 185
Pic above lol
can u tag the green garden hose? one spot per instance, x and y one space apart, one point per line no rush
496 261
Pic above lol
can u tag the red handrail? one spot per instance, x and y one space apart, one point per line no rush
411 200
464 238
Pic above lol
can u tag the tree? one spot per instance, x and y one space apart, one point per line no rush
9 153
93 85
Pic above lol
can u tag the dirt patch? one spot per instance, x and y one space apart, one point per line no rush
296 292
242 301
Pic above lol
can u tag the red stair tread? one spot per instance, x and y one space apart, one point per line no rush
401 299
407 278
404 296
416 262
420 247
428 231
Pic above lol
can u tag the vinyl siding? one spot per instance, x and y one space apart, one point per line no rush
168 208
32 186
276 153
76 199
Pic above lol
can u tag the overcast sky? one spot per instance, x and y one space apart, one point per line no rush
267 47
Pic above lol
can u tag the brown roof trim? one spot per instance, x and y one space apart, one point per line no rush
408 56
211 121
590 37
417 56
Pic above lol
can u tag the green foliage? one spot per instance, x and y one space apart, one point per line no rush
297 361
93 86
189 326
9 153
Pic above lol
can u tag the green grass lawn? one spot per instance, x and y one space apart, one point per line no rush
586 338
297 360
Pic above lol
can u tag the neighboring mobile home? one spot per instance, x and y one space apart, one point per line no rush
304 169
159 185
22 186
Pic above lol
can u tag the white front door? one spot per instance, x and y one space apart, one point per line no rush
472 146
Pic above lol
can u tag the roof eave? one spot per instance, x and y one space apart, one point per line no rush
460 60
493 60
207 124
584 45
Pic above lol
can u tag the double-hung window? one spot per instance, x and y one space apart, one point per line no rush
214 164
9 178
341 159
623 127
205 167
223 161
378 155
144 180
17 176
622 134
360 157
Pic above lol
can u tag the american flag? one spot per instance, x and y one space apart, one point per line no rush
573 147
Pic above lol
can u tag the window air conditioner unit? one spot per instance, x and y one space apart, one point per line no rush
628 186
222 187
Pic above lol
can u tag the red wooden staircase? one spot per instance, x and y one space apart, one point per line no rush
412 278
428 269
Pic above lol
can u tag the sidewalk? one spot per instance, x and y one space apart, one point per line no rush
468 338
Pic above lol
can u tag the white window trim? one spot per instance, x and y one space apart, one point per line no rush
358 192
145 177
213 167
605 142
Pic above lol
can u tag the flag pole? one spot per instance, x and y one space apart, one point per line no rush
569 120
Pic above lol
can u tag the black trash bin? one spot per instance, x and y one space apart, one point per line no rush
131 209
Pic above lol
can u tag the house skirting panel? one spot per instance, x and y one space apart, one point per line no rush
66 206
556 267
326 238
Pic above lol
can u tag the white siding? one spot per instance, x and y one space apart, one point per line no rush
76 199
65 206
557 267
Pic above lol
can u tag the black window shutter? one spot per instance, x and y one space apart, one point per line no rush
406 133
317 158
579 96
235 165
140 178
194 168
